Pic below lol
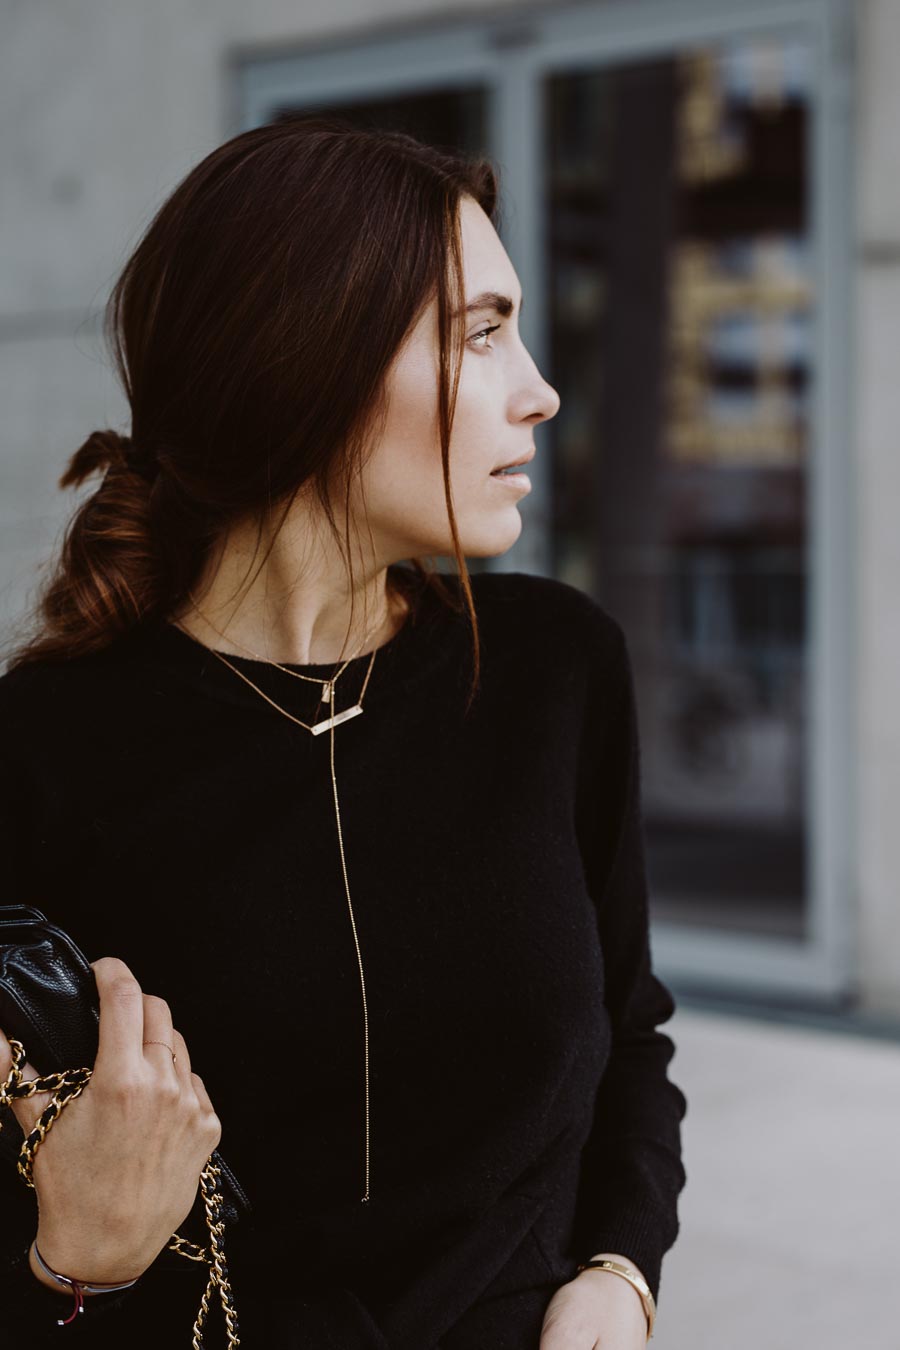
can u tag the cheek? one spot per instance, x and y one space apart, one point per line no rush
476 431
411 440
403 476
403 479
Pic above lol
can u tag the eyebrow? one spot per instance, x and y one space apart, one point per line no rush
493 300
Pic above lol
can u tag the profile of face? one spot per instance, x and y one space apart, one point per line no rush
501 399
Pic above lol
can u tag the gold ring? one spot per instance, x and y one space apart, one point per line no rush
168 1047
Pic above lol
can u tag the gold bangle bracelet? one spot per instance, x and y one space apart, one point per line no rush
633 1278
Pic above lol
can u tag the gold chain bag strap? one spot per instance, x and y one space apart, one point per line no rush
48 997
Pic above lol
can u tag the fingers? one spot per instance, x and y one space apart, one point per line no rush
183 1060
136 1030
202 1095
121 1017
158 1039
25 1109
194 1082
215 1124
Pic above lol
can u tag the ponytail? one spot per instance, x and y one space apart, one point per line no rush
106 576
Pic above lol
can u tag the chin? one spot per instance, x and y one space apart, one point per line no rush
492 537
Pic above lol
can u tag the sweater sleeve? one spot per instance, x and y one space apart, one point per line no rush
30 1308
160 1308
632 1170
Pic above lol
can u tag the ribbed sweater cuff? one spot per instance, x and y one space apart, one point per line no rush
637 1231
31 1309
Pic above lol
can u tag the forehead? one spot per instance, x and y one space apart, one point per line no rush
486 263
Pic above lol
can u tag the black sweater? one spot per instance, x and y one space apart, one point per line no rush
521 1115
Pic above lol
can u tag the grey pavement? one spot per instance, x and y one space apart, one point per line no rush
790 1215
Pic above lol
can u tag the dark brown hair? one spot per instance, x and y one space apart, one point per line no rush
252 330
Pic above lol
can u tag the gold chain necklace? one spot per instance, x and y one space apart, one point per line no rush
328 723
327 685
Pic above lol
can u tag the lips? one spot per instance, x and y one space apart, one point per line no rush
516 463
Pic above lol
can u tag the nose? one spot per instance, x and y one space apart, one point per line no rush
539 397
551 402
542 401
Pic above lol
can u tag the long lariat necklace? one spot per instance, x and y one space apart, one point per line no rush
326 724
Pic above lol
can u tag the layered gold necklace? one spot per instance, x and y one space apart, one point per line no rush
316 728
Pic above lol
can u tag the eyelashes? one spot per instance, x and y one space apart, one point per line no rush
485 332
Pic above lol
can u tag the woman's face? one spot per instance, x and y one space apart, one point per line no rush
502 397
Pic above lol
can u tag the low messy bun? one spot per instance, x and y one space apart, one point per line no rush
108 449
105 579
129 551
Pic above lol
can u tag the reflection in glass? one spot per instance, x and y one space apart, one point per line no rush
681 339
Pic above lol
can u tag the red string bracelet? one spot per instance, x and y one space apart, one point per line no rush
78 1287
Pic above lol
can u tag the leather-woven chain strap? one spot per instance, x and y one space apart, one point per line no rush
65 1087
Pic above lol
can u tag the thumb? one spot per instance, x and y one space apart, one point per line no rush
25 1109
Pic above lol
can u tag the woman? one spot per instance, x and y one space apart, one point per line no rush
399 966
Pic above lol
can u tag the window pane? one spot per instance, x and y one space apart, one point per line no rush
681 340
454 116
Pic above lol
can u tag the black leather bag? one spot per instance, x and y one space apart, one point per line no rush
49 1002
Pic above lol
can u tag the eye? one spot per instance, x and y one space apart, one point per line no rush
485 332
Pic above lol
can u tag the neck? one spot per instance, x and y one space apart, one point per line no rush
294 610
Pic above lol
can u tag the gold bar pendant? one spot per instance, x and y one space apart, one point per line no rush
336 720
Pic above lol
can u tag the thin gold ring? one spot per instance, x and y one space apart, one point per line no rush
168 1047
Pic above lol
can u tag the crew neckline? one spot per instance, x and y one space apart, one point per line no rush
429 632
317 668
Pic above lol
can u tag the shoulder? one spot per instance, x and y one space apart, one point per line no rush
39 681
29 723
551 618
49 699
25 687
36 708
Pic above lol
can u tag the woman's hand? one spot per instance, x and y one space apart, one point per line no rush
119 1169
598 1310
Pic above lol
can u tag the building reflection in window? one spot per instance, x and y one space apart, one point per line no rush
681 342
